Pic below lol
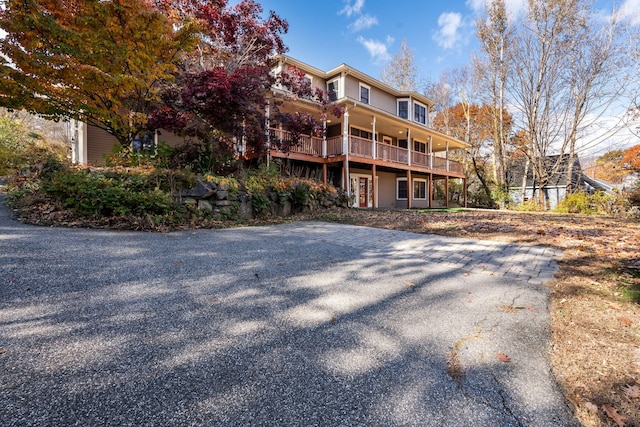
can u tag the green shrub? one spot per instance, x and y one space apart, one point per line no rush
99 194
579 202
599 202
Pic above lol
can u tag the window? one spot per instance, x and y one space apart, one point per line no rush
420 147
403 108
307 84
364 93
419 189
419 113
401 189
361 133
332 88
144 142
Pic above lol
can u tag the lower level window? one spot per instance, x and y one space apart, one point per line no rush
401 189
144 143
419 189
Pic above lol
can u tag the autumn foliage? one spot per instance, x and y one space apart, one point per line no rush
194 67
101 62
631 158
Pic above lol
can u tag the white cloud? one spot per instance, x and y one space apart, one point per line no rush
349 9
630 10
514 7
449 24
378 50
363 22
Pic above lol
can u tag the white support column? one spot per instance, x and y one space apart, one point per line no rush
345 149
409 146
430 152
375 139
267 129
447 156
324 137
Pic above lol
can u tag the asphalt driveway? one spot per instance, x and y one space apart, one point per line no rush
302 324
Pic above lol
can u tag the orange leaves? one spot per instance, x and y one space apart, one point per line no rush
625 321
503 357
631 158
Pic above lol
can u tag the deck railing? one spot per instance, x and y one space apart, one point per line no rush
364 148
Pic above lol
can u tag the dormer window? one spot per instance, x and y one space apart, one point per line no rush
403 108
364 93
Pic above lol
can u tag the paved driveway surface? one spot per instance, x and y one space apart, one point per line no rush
301 324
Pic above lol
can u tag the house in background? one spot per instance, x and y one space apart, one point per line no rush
383 150
556 189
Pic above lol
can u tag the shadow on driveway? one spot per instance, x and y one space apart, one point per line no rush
262 326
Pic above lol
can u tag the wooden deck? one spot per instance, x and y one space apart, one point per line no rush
331 150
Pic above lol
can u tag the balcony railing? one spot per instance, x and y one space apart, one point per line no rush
363 148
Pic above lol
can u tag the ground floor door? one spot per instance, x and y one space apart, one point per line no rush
362 190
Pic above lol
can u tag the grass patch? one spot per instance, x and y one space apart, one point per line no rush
445 210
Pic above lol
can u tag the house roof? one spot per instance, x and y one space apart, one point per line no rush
559 179
349 70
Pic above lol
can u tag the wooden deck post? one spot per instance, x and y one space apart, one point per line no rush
446 191
464 186
430 190
324 173
374 187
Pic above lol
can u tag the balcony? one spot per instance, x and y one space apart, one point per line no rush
363 149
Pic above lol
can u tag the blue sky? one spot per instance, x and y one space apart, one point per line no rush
365 33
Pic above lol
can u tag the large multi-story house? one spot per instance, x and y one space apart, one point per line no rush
382 150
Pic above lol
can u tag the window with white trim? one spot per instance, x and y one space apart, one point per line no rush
333 89
364 93
420 147
307 82
419 189
401 189
403 108
419 113
361 133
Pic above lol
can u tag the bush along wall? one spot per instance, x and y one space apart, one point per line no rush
229 198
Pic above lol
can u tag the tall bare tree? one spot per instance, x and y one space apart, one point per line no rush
495 33
559 77
400 72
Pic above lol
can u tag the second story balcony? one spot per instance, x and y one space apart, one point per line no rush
362 150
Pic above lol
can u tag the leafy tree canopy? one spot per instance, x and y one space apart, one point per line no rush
98 61
631 158
194 66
